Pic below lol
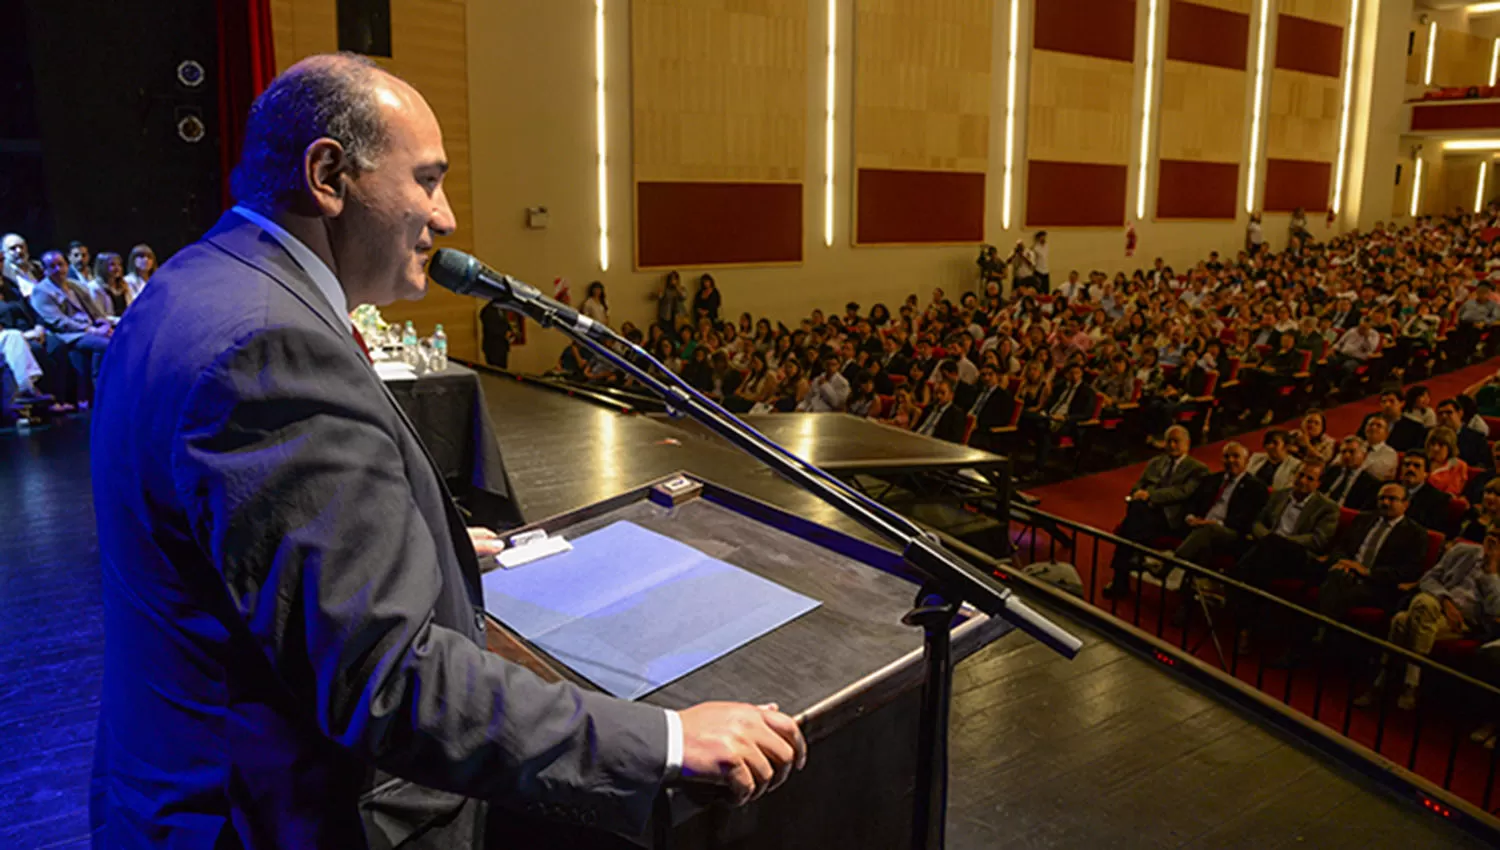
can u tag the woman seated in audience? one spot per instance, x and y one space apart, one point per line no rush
724 379
1034 388
109 268
746 326
1481 517
758 388
697 371
880 316
765 338
1417 418
687 343
666 352
1116 384
793 387
780 352
917 383
1447 472
862 398
1313 440
142 263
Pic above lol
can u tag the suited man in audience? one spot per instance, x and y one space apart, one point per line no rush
1222 509
1407 433
1071 402
991 408
295 653
1293 530
943 419
1349 482
1381 550
1473 448
892 363
1275 466
1425 504
1157 505
19 268
67 314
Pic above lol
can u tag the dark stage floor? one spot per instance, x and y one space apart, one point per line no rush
1105 751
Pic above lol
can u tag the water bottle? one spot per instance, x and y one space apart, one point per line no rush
439 350
409 343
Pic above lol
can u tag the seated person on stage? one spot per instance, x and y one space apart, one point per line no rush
1070 403
1292 531
1349 482
1446 470
68 315
1473 448
992 406
943 419
1380 551
1380 458
1157 505
1454 599
1427 506
16 355
1275 467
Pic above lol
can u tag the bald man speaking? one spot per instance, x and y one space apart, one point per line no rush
294 652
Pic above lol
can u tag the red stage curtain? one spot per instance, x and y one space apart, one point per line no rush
247 64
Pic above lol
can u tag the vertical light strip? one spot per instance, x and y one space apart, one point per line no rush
1145 165
1008 182
1255 107
1431 52
1351 33
1484 173
829 124
1494 60
1416 187
602 145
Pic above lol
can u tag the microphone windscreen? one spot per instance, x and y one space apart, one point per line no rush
453 269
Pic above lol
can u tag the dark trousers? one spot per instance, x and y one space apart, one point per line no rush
1342 590
1273 557
86 354
1143 523
1044 432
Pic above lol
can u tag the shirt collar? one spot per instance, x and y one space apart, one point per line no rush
322 276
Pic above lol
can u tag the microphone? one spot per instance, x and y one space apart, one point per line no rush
466 275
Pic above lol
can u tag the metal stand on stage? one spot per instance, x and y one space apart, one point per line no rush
949 581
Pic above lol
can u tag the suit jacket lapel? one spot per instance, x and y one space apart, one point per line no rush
246 242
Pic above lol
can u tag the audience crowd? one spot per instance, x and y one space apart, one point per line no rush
56 319
1398 524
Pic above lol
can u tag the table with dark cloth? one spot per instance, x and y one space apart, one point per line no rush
447 408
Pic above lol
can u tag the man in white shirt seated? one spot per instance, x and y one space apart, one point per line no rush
1275 467
1353 350
828 392
1072 287
19 266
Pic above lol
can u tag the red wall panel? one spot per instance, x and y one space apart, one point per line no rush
1306 45
1187 189
1292 183
1072 194
898 207
1459 116
698 224
1103 28
1208 35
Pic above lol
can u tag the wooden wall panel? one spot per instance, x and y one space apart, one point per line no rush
1462 59
719 90
1080 109
1202 112
429 51
1328 11
922 84
1302 117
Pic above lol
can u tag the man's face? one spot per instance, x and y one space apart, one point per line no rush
943 392
1391 503
1390 405
79 256
55 267
1352 455
1377 431
383 235
1307 480
1448 416
1177 444
989 376
1413 472
15 249
1276 449
1235 458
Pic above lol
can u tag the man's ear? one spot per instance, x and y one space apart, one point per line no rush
327 169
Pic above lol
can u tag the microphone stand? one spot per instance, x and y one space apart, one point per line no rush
948 581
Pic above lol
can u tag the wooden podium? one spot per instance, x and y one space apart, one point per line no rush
849 670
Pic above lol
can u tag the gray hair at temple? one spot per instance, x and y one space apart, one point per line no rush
321 97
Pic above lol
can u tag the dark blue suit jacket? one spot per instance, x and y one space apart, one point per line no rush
294 656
